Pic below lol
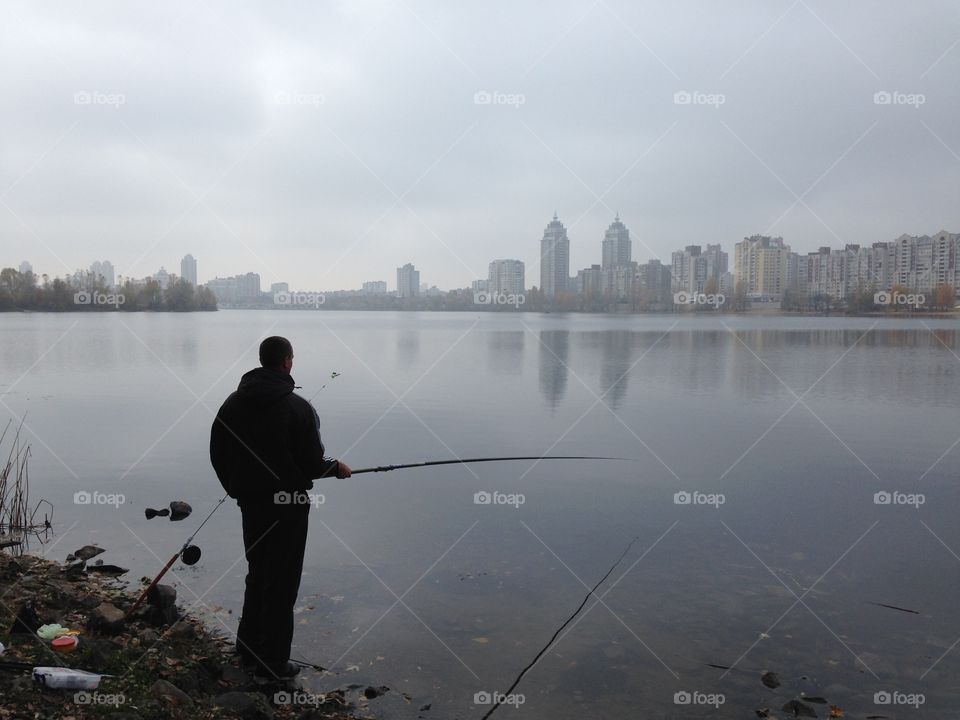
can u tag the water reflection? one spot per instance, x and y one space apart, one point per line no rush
505 351
408 347
554 354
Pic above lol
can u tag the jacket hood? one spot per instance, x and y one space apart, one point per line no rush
263 386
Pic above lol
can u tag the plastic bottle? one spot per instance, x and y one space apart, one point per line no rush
66 678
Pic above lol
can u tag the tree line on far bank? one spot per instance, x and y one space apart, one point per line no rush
25 291
869 300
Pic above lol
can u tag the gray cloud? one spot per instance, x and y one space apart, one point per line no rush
298 124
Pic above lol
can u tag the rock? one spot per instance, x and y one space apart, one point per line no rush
161 617
233 675
11 570
149 638
106 618
87 552
179 510
183 630
371 692
86 602
99 654
798 709
162 596
74 570
112 570
150 513
170 693
26 622
770 679
246 705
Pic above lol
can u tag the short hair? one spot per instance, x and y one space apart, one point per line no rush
274 350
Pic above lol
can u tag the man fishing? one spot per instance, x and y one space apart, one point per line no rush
266 449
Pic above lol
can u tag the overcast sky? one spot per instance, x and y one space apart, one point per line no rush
324 144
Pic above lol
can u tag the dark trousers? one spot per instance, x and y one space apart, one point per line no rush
274 537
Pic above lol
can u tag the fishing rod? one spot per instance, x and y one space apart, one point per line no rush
464 461
190 554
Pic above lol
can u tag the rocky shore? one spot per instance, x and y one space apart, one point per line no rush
163 664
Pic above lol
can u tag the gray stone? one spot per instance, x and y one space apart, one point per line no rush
106 618
87 552
170 693
179 510
162 596
246 705
233 675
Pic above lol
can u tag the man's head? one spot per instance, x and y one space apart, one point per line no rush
276 353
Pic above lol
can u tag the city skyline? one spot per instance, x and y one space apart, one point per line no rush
767 265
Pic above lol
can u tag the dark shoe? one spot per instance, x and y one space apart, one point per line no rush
282 672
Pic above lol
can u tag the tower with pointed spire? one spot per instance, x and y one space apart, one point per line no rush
616 245
554 258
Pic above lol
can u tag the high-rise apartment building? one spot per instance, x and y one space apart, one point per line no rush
554 259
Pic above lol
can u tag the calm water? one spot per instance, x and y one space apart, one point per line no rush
796 422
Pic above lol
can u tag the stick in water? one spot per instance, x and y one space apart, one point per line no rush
559 630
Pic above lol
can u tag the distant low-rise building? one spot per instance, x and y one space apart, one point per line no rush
236 290
374 287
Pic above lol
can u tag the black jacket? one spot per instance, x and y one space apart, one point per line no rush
266 438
